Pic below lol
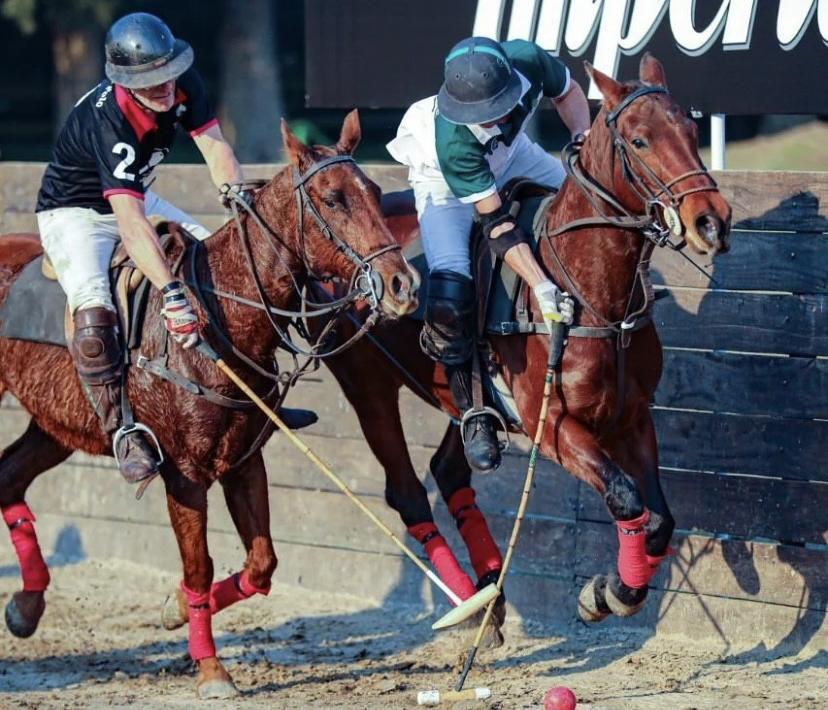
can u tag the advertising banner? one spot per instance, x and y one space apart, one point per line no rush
721 56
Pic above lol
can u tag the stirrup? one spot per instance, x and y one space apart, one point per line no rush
472 413
126 431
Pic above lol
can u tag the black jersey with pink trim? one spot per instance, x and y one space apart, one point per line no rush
109 144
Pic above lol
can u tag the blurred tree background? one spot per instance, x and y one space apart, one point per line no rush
251 56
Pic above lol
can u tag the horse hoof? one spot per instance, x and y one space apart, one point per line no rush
23 613
620 608
588 608
492 637
174 612
217 689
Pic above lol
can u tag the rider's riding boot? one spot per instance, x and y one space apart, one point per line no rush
297 418
97 355
480 444
448 338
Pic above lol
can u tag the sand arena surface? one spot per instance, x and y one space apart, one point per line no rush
100 645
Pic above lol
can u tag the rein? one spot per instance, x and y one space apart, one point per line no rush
657 224
365 284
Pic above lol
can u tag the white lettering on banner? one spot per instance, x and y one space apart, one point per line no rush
795 16
543 20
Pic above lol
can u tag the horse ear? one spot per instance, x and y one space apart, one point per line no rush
297 152
651 71
350 135
611 90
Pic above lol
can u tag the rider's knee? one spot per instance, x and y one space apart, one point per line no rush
96 346
448 332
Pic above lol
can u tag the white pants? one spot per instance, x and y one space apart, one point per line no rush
80 242
445 222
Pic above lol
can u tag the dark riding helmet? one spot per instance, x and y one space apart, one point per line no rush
141 52
480 83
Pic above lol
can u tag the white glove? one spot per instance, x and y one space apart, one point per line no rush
556 306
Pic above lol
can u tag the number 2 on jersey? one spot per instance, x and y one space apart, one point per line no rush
128 153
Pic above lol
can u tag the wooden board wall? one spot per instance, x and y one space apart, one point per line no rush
741 415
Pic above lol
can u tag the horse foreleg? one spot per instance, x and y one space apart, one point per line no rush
246 495
187 505
623 591
20 463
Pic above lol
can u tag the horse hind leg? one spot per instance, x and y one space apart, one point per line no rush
20 463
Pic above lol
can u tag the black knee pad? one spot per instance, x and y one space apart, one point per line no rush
96 347
448 332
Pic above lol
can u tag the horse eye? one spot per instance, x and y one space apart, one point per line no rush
333 200
639 143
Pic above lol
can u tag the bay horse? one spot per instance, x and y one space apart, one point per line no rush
637 176
317 216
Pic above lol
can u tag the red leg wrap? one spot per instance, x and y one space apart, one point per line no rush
633 565
200 639
443 559
231 590
654 562
32 565
483 551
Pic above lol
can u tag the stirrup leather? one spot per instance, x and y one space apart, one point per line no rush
126 431
472 413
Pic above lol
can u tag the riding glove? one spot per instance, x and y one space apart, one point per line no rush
556 306
179 317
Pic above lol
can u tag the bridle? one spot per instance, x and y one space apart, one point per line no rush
365 284
659 221
661 218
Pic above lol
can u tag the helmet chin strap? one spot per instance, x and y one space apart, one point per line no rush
140 101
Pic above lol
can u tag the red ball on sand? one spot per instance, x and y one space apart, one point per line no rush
559 698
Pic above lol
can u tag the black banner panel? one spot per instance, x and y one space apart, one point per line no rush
720 56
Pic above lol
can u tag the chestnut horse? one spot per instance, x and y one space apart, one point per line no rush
317 216
637 176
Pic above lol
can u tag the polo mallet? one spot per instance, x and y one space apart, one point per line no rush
466 608
556 343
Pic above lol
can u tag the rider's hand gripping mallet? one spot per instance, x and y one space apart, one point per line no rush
555 348
466 608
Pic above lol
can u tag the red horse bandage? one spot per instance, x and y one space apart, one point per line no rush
200 640
443 559
231 590
21 529
633 564
483 551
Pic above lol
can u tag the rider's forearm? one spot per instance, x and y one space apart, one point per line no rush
222 163
219 156
143 247
573 109
523 263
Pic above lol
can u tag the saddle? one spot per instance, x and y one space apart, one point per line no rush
503 299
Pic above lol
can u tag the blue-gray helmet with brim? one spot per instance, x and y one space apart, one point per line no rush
480 83
142 52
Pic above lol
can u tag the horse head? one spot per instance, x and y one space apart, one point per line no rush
341 228
655 158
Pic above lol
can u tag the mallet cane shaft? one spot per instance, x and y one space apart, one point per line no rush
555 348
208 352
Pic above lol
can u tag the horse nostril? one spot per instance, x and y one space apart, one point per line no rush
399 286
709 227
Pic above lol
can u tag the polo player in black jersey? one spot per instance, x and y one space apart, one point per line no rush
95 192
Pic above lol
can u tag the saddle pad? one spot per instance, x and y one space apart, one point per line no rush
505 282
34 308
